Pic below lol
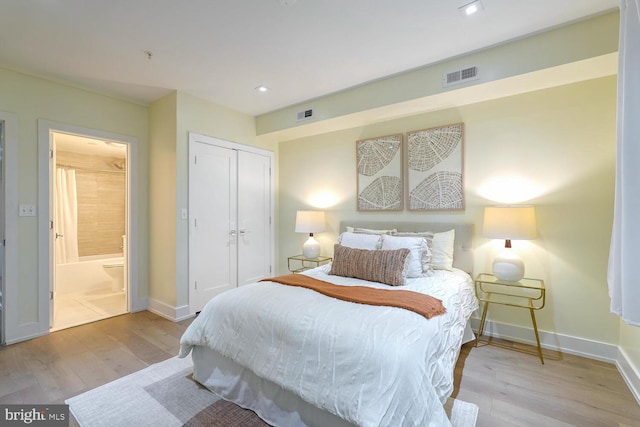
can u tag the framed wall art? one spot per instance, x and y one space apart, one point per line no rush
379 164
435 180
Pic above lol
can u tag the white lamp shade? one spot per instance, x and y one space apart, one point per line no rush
510 222
310 222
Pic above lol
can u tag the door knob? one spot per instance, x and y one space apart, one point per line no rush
59 235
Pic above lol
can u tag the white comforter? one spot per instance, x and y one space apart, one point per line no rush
370 365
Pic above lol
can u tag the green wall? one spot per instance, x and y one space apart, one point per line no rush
162 196
31 99
557 146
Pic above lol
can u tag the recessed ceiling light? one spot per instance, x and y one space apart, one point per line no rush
262 88
471 8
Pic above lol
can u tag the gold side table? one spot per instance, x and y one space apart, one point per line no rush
300 263
527 293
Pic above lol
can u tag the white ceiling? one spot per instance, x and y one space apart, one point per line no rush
221 50
89 146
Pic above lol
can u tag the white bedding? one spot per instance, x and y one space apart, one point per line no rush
369 365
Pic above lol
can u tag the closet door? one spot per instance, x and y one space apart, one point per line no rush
212 222
254 210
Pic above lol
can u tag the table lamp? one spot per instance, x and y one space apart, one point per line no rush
509 223
310 222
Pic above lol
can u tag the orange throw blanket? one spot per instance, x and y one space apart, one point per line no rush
422 304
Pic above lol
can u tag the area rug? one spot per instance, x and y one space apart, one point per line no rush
164 394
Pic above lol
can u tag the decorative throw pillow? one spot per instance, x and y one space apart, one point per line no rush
442 250
419 250
427 270
360 241
383 266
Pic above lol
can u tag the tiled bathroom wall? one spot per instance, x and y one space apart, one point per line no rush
101 201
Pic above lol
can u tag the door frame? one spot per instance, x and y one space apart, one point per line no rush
45 216
10 309
195 138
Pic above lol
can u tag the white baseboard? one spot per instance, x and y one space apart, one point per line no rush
630 373
175 314
139 304
567 344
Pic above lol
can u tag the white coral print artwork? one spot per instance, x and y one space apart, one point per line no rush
435 175
380 173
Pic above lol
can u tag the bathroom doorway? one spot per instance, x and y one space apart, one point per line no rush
88 179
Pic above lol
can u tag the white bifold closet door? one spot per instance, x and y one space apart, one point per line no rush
254 207
229 220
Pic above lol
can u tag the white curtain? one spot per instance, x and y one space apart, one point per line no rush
66 216
624 255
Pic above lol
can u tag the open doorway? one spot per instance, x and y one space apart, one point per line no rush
88 199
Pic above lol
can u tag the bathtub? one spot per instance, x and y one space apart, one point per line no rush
86 275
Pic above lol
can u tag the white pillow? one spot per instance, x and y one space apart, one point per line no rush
442 250
360 241
427 270
418 250
370 230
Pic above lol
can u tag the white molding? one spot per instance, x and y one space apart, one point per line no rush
45 258
211 140
182 313
28 331
169 312
204 139
565 343
10 302
629 372
133 300
140 304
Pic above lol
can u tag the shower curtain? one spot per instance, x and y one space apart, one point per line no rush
66 216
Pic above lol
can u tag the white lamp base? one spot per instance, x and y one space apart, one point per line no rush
311 248
508 266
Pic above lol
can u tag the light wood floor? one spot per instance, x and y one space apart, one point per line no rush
510 387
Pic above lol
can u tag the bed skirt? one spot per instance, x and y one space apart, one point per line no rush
271 402
468 335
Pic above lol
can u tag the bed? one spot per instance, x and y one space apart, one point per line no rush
299 358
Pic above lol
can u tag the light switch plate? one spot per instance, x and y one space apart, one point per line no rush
27 210
184 214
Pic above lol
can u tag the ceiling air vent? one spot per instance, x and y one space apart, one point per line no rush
304 115
460 76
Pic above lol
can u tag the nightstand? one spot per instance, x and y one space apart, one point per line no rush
527 293
300 263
